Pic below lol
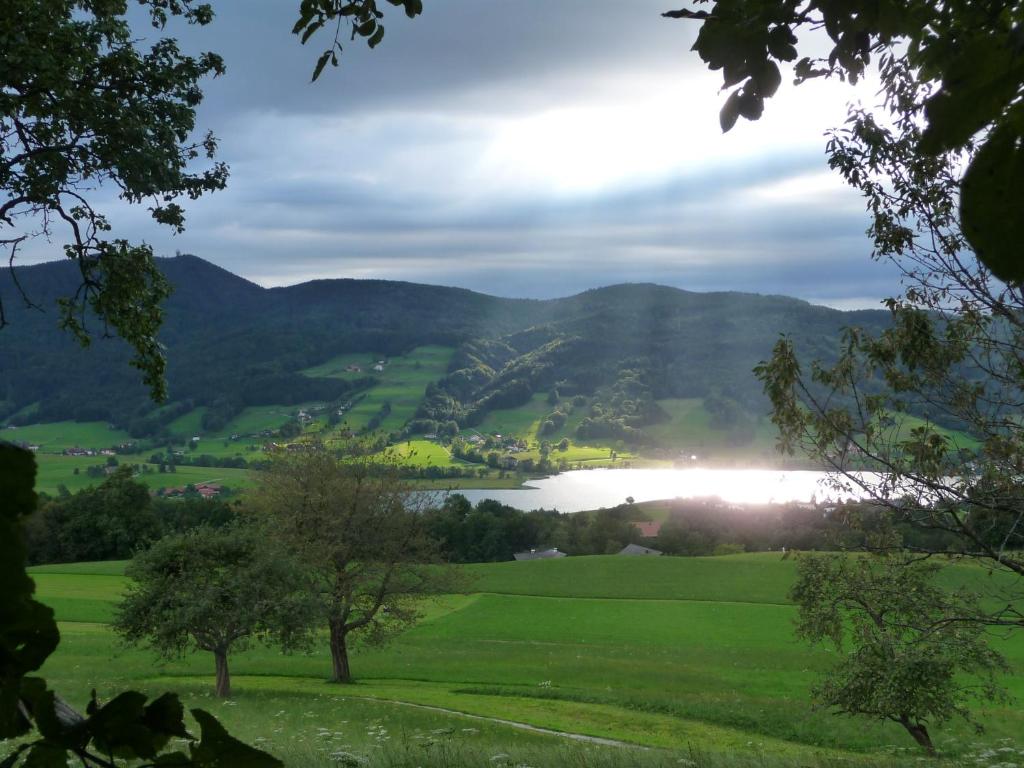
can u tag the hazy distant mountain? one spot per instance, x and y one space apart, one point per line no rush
231 341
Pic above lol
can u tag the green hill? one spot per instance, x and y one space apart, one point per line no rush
233 345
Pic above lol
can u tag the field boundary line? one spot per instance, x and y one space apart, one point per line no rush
599 740
640 599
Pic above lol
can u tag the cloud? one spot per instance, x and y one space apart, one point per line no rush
528 148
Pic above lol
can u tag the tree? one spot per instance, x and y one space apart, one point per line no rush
216 590
357 529
951 358
963 58
83 106
49 730
915 656
107 522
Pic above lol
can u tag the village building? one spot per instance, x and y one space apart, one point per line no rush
638 549
539 554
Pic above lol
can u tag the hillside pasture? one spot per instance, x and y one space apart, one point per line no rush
689 430
401 384
188 424
54 437
672 653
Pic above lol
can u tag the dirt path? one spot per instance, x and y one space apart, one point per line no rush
510 723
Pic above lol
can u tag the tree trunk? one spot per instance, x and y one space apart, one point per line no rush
339 655
920 734
223 676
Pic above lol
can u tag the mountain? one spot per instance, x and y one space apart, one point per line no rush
232 344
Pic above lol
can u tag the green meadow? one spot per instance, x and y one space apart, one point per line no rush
685 656
401 384
55 436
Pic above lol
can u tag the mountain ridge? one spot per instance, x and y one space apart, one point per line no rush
232 343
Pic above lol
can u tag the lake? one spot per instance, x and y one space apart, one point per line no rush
594 488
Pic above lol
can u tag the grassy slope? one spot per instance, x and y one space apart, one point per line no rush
55 436
401 383
648 650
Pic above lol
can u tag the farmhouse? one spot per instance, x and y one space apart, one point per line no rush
208 490
539 554
648 530
637 549
353 368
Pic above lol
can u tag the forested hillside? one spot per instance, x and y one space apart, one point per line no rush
232 345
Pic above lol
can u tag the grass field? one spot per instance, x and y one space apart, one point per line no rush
55 436
691 655
689 430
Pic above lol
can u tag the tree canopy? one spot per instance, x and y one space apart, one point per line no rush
84 106
217 590
128 727
965 57
914 656
356 528
952 355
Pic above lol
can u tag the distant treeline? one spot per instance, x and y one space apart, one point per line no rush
490 531
113 520
119 516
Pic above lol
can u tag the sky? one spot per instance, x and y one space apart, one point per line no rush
517 147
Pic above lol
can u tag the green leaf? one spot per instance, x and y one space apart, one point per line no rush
320 64
376 38
991 208
118 727
768 79
730 112
750 104
166 716
28 632
218 749
977 85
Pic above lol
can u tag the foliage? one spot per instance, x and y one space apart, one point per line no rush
126 728
83 106
215 589
356 529
952 354
107 522
966 70
363 17
917 653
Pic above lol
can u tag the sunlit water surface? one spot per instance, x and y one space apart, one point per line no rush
595 488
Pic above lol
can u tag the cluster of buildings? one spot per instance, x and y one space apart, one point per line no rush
206 490
77 451
554 552
378 367
647 530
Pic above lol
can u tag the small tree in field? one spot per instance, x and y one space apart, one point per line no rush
356 528
216 590
917 654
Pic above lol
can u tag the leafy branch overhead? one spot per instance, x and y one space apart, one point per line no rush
129 727
84 105
968 58
362 16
